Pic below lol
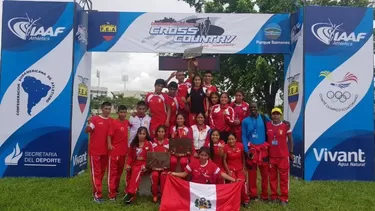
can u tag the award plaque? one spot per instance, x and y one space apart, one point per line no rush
158 160
192 53
180 146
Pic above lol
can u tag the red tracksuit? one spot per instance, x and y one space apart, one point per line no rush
137 160
176 104
116 162
260 156
159 176
218 156
279 159
234 160
206 174
158 110
221 118
181 132
98 150
210 89
241 111
182 89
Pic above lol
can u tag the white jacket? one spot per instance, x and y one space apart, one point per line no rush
199 136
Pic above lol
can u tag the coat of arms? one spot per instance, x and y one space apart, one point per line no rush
203 203
82 93
293 91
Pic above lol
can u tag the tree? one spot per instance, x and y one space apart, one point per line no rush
98 100
119 99
262 76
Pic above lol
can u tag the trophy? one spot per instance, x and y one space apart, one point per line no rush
180 147
158 161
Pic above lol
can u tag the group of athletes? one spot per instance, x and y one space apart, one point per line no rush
230 140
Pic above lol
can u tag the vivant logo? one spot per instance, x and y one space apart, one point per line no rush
344 158
80 160
332 34
14 157
27 28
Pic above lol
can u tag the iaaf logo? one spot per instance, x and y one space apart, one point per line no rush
332 34
29 29
344 158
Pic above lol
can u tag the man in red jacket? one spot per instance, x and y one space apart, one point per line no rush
98 127
279 136
117 150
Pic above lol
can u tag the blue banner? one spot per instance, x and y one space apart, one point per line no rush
293 89
81 93
339 112
36 87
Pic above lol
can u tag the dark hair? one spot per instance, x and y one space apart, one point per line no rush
141 103
232 134
212 150
192 81
241 91
200 113
159 81
106 103
206 150
122 108
208 72
179 114
212 94
227 94
135 142
160 127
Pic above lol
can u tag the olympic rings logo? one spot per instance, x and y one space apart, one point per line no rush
338 96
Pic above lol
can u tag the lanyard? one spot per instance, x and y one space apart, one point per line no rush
254 121
201 132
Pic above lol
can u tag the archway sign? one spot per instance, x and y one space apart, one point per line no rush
46 74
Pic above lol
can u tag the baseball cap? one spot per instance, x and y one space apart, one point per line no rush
160 82
278 110
173 85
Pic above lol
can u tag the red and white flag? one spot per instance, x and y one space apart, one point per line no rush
181 195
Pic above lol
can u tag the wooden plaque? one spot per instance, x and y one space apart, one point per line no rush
158 160
180 145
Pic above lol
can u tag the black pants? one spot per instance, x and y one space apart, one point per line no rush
224 136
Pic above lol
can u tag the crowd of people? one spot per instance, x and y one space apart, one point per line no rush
230 141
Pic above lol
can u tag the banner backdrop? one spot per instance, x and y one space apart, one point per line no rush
81 93
36 87
339 124
293 88
175 32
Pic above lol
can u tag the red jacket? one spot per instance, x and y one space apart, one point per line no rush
183 132
138 156
260 154
221 117
240 112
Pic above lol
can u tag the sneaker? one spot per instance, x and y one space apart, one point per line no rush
112 199
155 199
284 203
98 200
246 205
128 198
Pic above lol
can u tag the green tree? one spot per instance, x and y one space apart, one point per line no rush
98 100
262 76
119 99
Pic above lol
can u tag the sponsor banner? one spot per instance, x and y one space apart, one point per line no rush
176 32
81 93
339 124
35 92
293 89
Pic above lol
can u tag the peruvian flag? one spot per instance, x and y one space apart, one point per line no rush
181 195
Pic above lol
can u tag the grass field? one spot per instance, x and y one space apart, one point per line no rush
74 194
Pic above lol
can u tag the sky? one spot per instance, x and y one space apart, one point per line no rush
142 69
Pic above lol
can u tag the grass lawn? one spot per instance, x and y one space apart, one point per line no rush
74 194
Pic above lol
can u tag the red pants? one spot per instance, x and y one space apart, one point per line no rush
134 179
115 168
158 177
252 172
241 175
98 167
173 162
281 164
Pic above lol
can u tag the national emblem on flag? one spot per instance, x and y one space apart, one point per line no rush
108 30
293 91
82 93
